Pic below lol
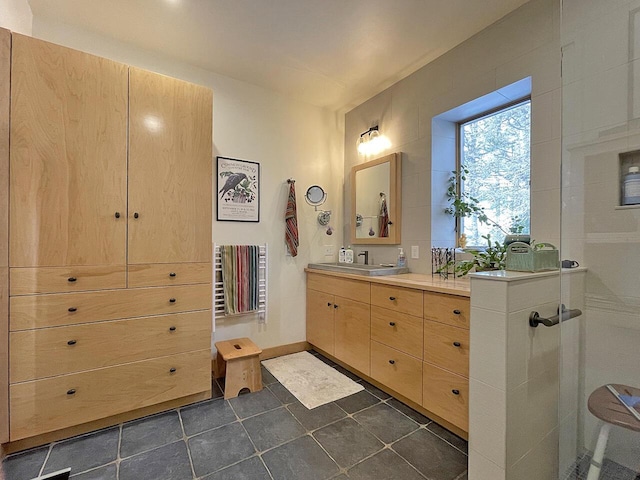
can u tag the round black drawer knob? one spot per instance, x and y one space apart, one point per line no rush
117 215
71 391
172 300
455 392
172 274
71 342
392 362
72 279
456 344
136 215
393 324
457 312
335 306
72 309
392 298
329 304
172 370
172 329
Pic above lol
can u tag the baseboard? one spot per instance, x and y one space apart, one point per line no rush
287 349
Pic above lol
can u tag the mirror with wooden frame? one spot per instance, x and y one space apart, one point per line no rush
376 201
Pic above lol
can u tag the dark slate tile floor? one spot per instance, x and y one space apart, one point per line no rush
265 435
610 470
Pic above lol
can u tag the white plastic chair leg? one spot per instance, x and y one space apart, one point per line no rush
598 453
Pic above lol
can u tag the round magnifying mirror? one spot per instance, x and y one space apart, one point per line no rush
315 196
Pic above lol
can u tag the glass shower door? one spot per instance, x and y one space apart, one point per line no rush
599 436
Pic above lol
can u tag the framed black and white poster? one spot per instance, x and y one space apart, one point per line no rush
238 187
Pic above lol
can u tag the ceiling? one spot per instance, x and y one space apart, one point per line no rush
331 53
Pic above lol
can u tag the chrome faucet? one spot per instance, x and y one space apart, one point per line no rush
365 254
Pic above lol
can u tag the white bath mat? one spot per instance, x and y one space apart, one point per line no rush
312 381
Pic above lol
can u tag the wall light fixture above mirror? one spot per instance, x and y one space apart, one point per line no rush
376 201
372 142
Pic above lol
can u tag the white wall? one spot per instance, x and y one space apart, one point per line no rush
601 119
524 43
16 16
288 138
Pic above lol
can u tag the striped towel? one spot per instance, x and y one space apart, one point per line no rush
240 277
291 220
383 219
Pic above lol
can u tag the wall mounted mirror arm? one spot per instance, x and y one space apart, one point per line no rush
316 196
376 201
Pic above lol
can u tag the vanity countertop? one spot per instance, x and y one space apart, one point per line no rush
452 286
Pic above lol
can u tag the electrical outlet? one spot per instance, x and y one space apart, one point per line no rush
415 251
329 250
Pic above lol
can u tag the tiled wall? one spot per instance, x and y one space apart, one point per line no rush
524 43
514 376
601 119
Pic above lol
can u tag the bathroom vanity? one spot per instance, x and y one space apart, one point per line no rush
407 334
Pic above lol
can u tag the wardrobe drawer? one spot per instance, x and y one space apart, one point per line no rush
75 348
450 309
447 395
343 287
447 347
399 299
398 330
54 403
40 311
28 281
160 274
397 370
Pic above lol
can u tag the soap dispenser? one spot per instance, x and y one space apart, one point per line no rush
342 255
402 259
348 257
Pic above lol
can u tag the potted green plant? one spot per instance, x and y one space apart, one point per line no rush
490 258
462 204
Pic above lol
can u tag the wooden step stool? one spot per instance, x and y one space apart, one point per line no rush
240 359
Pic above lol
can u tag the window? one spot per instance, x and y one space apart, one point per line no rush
495 149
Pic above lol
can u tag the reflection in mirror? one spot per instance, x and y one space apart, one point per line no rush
372 186
375 194
315 196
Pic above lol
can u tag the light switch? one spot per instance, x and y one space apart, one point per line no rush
329 250
415 251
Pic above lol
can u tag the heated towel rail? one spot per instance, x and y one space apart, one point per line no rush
218 286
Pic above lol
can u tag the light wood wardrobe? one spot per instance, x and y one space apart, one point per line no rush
109 243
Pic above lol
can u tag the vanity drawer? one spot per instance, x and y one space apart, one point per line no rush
54 403
40 311
450 309
398 330
397 370
161 274
403 300
75 348
343 287
29 281
447 347
447 395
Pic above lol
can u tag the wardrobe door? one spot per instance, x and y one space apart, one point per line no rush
5 62
170 123
68 157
